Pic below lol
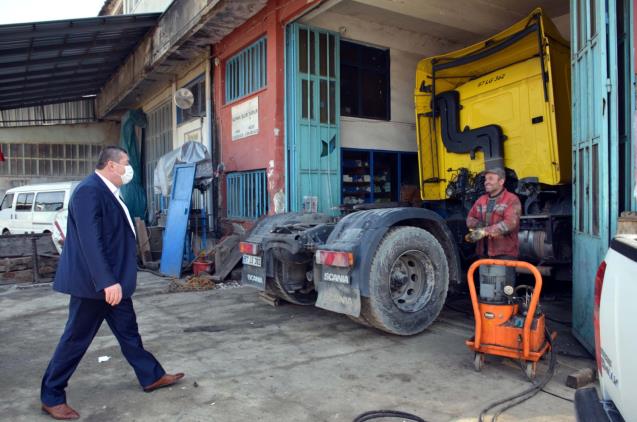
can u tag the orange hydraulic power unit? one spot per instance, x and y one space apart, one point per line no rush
515 329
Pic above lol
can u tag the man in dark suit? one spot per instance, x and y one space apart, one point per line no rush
98 268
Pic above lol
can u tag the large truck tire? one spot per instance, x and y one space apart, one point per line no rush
408 282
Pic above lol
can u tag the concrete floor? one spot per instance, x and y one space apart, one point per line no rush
248 361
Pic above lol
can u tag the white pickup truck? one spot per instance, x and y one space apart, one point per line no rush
615 322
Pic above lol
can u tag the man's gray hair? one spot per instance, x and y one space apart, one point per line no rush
109 153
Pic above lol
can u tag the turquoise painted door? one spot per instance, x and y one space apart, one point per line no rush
593 61
312 115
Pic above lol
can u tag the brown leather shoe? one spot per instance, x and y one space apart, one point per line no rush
164 381
61 412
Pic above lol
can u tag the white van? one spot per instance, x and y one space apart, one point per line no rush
32 208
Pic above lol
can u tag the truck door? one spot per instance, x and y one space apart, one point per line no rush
313 115
594 147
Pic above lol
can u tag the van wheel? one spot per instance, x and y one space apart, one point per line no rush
408 282
6 232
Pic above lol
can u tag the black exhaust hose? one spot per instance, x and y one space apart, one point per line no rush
487 138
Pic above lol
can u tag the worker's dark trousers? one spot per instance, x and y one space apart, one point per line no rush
85 318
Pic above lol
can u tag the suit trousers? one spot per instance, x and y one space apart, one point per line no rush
85 318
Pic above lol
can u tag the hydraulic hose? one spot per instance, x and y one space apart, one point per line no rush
377 414
503 405
523 396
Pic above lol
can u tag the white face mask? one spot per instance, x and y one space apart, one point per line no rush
128 174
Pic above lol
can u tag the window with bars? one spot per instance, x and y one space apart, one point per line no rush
158 140
247 194
49 160
246 71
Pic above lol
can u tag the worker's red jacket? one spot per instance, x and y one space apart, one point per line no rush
502 227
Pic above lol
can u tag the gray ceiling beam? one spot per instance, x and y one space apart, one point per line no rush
31 93
96 67
61 59
41 101
68 45
39 30
29 85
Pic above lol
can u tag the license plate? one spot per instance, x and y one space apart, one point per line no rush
334 275
255 261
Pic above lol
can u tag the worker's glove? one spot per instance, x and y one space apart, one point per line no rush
475 235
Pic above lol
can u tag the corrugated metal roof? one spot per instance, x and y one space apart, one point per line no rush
79 111
57 61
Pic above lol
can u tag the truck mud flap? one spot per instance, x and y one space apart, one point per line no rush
253 277
337 297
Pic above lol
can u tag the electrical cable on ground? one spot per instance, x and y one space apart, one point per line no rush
557 395
523 396
377 414
506 403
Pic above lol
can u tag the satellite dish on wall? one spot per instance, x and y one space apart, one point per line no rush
184 98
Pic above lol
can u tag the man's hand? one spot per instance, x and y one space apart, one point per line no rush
475 235
113 294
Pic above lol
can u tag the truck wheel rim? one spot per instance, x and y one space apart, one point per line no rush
411 281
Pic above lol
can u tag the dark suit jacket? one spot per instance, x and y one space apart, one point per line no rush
100 248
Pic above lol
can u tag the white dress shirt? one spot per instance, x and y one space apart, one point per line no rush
115 191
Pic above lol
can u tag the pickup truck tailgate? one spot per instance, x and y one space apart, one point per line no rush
618 326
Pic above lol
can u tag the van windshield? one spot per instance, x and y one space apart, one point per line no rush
7 202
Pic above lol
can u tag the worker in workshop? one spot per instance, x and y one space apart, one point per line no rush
98 269
494 219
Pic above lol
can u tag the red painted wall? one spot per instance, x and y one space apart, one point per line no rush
257 151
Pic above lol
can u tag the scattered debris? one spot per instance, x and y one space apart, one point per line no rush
581 378
270 299
229 285
203 281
